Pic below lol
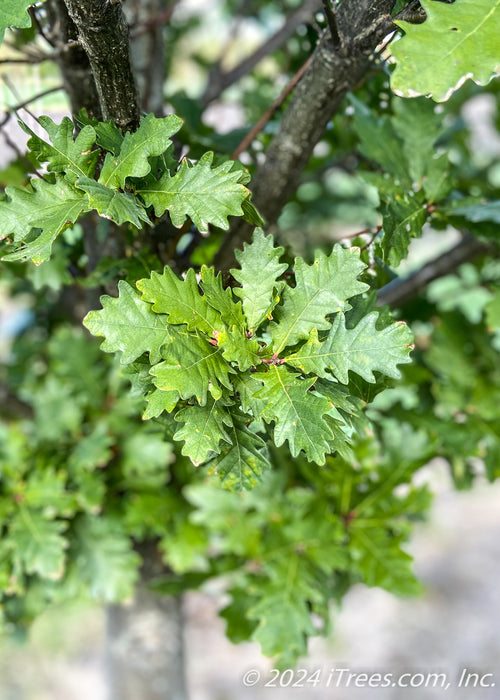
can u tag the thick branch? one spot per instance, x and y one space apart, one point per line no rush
73 62
361 24
103 33
400 291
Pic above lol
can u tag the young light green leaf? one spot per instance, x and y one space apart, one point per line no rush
203 429
240 466
260 269
236 347
150 139
48 209
321 288
207 195
129 325
222 299
192 367
460 39
181 300
111 204
297 413
63 154
362 350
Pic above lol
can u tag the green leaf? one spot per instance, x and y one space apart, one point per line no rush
39 545
260 269
150 139
159 401
283 611
74 157
456 42
380 560
13 14
477 213
47 210
145 457
241 466
298 414
362 350
185 549
222 299
207 195
128 325
108 135
192 367
45 489
379 141
104 560
111 204
236 347
203 429
321 288
403 218
419 127
181 300
233 339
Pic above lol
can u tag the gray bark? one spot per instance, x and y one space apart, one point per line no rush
103 34
337 66
73 62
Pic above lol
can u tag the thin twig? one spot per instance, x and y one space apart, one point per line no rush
24 103
21 155
253 133
28 59
34 18
219 81
154 22
400 291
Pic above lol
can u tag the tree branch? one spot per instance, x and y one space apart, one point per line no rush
103 34
20 105
219 81
400 291
331 74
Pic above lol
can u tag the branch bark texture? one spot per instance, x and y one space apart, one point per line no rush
335 69
103 34
73 62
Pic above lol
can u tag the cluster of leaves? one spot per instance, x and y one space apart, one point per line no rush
233 373
136 176
303 536
77 447
416 183
451 393
84 482
225 361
